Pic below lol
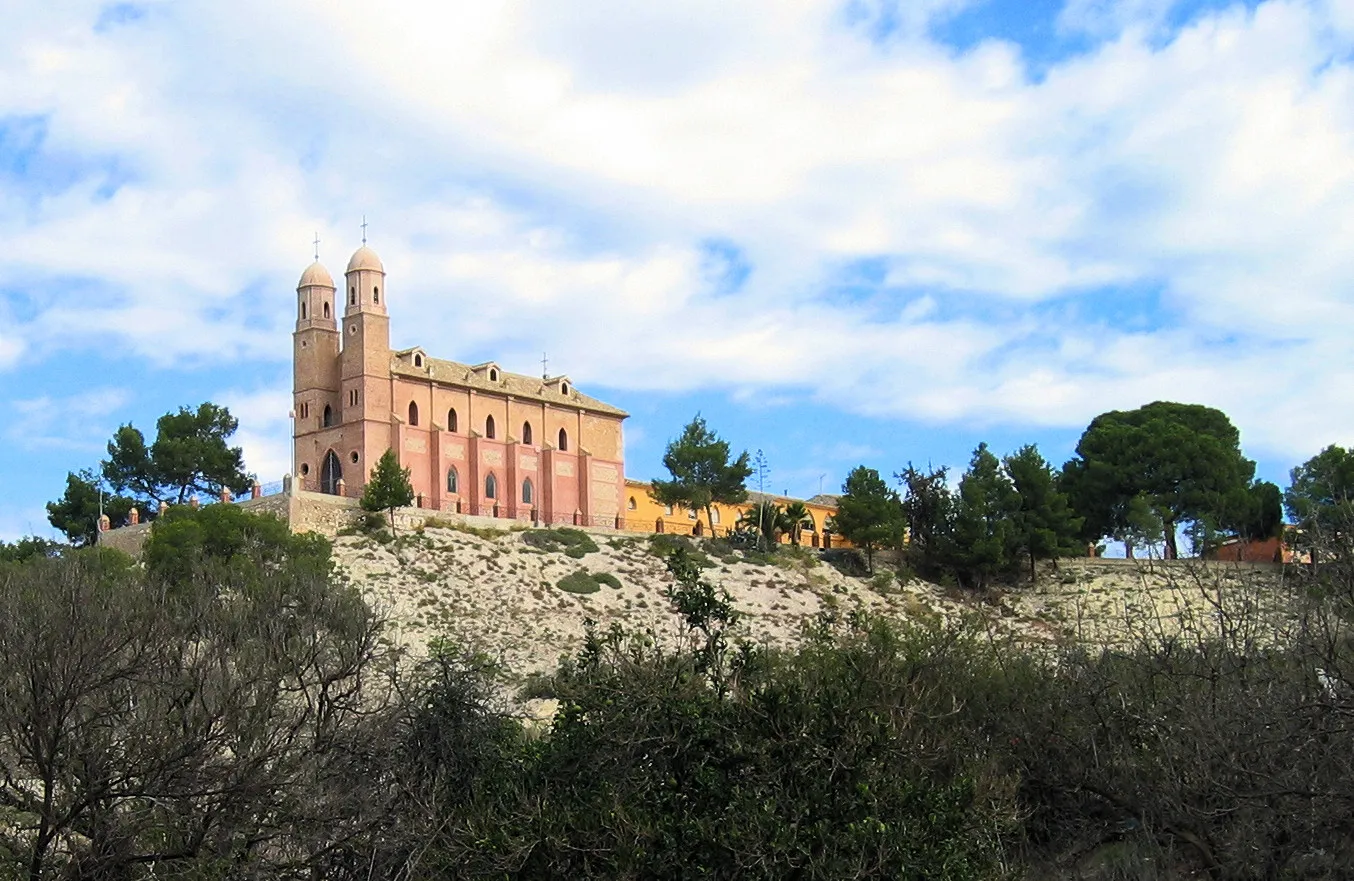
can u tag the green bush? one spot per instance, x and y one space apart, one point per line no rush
581 581
574 543
608 579
663 545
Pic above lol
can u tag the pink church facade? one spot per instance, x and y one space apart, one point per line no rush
475 438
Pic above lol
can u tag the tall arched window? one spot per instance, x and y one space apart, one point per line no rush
491 487
303 310
563 440
451 419
328 419
326 308
330 474
489 427
526 492
453 480
376 295
352 296
526 433
413 413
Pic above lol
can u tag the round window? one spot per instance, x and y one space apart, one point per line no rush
353 457
305 469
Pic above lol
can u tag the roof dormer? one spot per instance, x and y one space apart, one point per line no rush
560 385
489 371
416 358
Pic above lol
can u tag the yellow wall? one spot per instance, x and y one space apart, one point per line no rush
646 514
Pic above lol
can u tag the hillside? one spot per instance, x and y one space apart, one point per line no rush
499 592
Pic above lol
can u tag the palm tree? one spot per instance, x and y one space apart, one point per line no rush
766 519
796 518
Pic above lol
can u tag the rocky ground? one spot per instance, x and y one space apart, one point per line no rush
501 593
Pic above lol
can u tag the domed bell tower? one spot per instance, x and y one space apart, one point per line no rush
315 357
365 372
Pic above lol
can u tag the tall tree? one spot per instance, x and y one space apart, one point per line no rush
868 513
1321 500
190 454
1044 525
76 513
984 526
702 474
389 487
1184 458
928 512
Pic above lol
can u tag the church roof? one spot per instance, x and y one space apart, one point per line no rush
316 274
365 258
530 388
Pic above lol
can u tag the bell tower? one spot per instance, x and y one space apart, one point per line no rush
315 359
365 383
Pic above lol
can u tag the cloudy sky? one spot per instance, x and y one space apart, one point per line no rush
847 232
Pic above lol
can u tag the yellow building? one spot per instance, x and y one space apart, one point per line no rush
643 514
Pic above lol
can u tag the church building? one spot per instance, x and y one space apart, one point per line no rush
475 438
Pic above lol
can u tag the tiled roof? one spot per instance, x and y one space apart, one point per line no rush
532 388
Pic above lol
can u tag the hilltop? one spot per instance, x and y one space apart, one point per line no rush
500 591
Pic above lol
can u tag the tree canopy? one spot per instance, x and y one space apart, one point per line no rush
702 473
868 513
189 455
1044 526
76 513
1184 460
389 487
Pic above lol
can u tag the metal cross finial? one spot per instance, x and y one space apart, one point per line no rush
545 373
317 246
364 229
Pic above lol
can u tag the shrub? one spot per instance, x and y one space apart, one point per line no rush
663 545
608 579
847 561
574 543
582 581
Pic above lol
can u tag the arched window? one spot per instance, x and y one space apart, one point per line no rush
453 480
526 433
326 308
303 310
330 474
328 419
564 389
451 419
632 504
493 375
376 295
563 440
413 413
352 296
418 360
526 491
489 427
491 487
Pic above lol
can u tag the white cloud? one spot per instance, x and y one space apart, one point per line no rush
265 430
544 175
81 422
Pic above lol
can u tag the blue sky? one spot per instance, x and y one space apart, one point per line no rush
859 232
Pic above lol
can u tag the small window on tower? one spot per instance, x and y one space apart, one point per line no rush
352 398
326 309
303 310
376 295
352 296
328 419
353 457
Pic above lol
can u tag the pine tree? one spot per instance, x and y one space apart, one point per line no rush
984 529
868 513
389 487
701 472
1044 524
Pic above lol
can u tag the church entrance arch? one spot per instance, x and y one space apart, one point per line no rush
331 472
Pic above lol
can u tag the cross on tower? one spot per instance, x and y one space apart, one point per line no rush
545 373
364 229
317 247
